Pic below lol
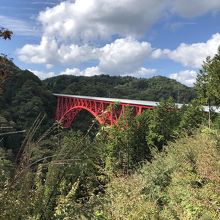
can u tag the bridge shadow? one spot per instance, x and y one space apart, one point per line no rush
85 121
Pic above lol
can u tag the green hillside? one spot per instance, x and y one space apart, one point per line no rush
154 88
162 164
23 96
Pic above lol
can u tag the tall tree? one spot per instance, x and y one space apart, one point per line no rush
208 80
4 34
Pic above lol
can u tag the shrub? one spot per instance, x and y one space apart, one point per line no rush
182 182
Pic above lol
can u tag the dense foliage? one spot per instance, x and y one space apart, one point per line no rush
208 80
153 89
24 96
182 182
70 175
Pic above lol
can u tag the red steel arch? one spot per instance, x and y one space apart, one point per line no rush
106 111
69 116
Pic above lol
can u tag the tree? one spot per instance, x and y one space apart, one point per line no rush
191 117
5 33
163 122
208 80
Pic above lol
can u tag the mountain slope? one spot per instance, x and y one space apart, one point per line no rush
154 88
23 96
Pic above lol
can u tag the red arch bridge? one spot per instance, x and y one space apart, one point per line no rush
107 111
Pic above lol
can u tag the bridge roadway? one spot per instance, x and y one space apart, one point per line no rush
130 101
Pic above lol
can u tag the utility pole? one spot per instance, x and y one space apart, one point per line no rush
178 95
209 114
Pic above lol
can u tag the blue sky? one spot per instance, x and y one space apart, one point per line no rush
118 37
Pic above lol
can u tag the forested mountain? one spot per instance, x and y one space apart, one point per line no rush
162 164
154 88
23 96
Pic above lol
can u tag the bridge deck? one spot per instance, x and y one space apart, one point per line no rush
130 101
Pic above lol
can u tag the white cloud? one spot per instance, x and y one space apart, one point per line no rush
40 54
90 71
187 77
141 72
72 29
124 56
84 20
191 55
159 53
49 52
74 54
42 75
